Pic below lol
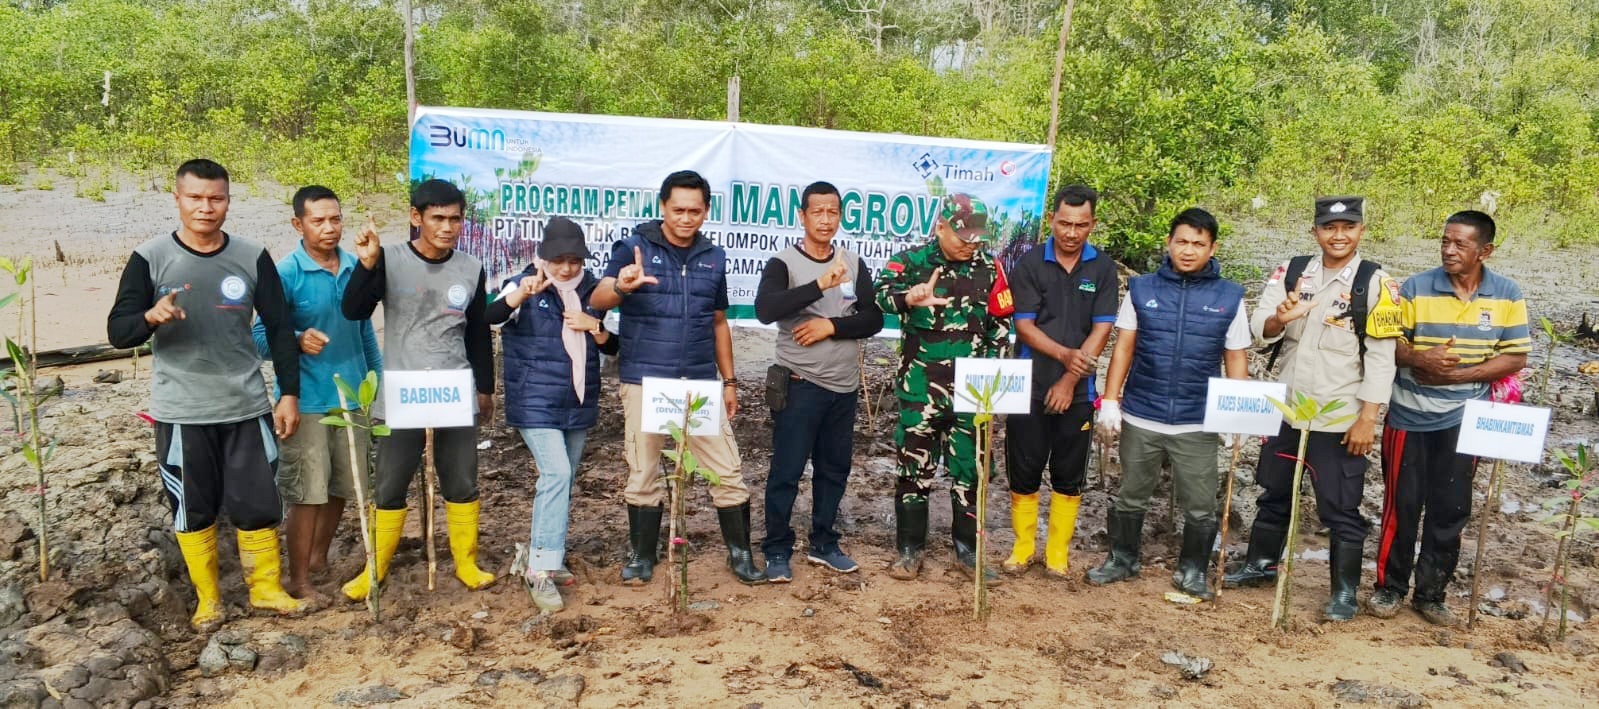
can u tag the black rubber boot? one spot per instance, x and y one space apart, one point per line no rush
1345 578
963 534
1193 564
1260 562
736 534
910 536
643 538
1125 530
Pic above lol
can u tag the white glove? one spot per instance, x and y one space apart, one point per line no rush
1228 440
1110 417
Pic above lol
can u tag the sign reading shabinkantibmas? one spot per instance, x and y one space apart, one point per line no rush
518 169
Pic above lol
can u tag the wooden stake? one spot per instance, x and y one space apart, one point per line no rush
367 540
428 475
1490 505
1226 511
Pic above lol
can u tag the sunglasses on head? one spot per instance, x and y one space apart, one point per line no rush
973 238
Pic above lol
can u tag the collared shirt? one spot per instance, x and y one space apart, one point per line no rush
1321 352
1064 304
352 349
1492 322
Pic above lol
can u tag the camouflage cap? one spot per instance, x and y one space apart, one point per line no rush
967 215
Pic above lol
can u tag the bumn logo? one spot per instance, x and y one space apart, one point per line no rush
443 136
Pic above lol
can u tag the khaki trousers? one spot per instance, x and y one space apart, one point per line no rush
646 486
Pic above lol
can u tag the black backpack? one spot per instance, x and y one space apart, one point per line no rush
1359 302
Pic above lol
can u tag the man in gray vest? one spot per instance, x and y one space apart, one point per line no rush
194 293
434 319
812 291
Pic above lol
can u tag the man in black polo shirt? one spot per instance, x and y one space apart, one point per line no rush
1065 307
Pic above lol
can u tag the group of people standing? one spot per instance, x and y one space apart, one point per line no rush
215 305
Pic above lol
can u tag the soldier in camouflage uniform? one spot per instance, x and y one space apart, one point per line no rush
940 292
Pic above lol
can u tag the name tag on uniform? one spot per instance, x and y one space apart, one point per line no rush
428 398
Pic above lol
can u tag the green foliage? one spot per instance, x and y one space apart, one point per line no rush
1580 468
359 416
1305 411
1425 107
686 466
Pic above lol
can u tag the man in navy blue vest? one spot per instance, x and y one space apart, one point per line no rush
1176 329
670 283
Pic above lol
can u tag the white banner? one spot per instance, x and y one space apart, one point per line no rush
1242 406
1015 392
428 398
1503 431
663 403
520 168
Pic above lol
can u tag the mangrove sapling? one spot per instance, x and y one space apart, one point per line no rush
1555 338
685 467
28 399
1580 468
983 421
360 418
1301 415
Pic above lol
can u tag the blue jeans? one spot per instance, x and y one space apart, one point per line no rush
556 453
818 425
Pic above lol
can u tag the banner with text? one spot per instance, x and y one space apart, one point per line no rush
518 169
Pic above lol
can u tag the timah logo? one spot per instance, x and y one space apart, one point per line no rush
925 165
956 172
443 136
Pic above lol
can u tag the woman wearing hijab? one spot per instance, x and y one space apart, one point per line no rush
551 347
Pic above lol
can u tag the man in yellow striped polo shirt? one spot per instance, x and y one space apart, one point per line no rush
1464 327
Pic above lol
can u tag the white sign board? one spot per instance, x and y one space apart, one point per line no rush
1242 406
1015 393
663 403
1503 431
431 398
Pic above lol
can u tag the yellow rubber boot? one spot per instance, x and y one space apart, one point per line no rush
386 527
258 555
200 554
1023 521
461 519
1062 524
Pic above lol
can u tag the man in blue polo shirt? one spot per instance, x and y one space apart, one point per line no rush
314 476
1065 306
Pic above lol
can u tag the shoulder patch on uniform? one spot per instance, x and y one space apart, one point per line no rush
895 266
1277 275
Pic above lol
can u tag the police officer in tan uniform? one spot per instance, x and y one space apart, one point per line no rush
1332 320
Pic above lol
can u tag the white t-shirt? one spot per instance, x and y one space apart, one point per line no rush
1238 338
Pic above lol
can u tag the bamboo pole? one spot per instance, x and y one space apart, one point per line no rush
32 383
430 481
677 591
1226 512
367 540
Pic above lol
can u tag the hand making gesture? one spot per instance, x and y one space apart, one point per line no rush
367 245
922 295
529 286
165 310
632 276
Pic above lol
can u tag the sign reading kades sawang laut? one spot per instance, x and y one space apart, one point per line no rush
428 398
1243 406
1503 431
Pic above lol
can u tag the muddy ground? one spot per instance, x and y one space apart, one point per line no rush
110 626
